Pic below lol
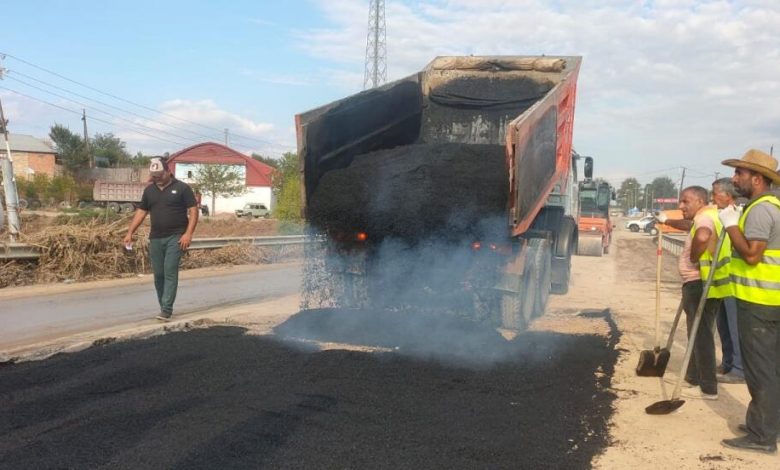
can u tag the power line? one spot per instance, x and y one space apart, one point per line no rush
96 101
94 118
263 141
104 112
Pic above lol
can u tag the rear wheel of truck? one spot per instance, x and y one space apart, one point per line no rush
543 273
511 311
128 207
114 207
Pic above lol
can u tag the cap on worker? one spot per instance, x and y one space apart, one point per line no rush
157 166
757 161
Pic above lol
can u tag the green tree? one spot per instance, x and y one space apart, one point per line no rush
663 186
629 193
110 149
140 160
219 181
270 161
287 188
70 148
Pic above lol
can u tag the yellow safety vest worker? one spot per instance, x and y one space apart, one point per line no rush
759 284
721 281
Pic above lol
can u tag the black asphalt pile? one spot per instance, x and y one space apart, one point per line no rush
413 192
217 398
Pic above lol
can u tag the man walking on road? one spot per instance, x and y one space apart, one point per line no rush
174 215
694 264
755 278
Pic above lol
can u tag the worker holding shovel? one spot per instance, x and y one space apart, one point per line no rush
694 264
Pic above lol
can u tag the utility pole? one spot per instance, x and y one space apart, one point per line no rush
9 183
226 137
682 181
86 138
376 51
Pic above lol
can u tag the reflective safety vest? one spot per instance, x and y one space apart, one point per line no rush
759 284
721 280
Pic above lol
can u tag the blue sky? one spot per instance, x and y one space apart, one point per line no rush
664 84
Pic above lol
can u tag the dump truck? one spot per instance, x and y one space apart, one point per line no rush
117 196
593 221
381 167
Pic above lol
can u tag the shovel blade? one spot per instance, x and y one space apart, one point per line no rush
652 363
664 407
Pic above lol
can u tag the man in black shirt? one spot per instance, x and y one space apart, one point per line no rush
174 214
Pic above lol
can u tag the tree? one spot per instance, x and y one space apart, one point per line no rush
110 149
272 162
663 186
287 188
219 181
629 193
70 148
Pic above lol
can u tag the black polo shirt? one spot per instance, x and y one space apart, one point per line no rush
168 208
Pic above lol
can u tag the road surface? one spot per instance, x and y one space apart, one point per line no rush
35 317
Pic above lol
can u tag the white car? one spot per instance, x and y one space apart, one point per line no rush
639 224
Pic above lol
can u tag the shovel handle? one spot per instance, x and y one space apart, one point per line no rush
677 316
658 265
697 320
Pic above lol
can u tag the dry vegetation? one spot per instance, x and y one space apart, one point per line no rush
79 247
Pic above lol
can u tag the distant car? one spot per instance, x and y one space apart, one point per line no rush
253 210
639 224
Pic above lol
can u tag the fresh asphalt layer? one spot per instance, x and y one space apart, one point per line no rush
220 398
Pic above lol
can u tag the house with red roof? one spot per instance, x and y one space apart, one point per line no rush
184 165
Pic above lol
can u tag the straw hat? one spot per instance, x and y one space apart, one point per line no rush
757 161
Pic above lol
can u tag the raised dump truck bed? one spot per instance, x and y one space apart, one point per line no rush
364 155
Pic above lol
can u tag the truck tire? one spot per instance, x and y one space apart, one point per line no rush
23 203
565 245
114 207
542 272
511 312
128 207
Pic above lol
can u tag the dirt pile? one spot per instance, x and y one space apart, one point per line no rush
75 247
414 192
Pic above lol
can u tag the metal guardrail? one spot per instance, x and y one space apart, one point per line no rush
673 243
25 251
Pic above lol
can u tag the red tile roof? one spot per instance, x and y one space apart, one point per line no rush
257 173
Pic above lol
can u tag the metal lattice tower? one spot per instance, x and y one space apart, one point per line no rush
376 53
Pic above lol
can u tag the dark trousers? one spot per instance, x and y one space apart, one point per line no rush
701 369
759 335
165 254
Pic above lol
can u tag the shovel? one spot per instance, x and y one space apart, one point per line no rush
652 363
664 407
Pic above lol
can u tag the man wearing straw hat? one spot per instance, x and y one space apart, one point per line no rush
755 279
174 214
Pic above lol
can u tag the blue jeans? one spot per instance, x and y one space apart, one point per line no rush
165 254
729 336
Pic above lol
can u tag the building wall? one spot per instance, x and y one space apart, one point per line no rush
262 194
27 164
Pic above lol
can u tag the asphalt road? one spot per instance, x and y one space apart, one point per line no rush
25 320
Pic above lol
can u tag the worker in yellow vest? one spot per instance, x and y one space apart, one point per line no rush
730 369
694 265
755 279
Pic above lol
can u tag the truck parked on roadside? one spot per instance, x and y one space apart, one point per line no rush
116 196
525 105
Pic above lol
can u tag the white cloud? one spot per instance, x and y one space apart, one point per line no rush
663 83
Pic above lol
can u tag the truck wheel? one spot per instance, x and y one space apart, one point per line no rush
543 272
23 203
511 312
114 207
128 207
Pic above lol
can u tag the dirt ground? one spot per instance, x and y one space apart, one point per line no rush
611 300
